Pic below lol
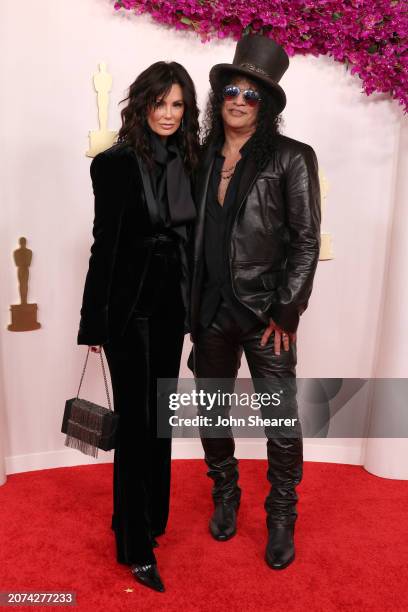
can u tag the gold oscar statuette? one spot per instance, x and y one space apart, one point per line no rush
23 315
326 247
102 139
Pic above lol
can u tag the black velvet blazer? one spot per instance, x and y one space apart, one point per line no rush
126 214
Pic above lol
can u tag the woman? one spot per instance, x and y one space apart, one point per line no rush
134 303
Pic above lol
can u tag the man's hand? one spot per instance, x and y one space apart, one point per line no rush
280 337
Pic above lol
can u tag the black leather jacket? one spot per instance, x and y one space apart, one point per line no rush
275 237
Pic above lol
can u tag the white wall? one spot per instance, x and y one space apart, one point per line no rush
48 53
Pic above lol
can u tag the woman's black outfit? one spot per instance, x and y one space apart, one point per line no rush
134 304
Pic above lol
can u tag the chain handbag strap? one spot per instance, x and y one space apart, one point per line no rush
104 377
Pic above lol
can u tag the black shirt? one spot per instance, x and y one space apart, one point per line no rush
218 225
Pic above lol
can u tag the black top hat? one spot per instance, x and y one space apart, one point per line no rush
259 58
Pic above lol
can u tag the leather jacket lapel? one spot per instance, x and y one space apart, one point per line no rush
201 190
249 175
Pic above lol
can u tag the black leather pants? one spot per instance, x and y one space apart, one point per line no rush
217 355
150 349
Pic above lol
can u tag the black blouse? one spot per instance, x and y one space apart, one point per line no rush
171 185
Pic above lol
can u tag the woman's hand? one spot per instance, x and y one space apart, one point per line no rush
95 349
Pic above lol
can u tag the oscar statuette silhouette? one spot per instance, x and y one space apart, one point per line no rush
103 138
23 315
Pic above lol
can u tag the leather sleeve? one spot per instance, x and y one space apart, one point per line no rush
303 217
107 186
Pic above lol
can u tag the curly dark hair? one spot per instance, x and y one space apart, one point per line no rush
268 119
154 83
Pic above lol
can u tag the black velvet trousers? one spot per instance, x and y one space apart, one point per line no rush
150 349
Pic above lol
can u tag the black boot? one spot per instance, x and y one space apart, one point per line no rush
285 469
223 523
280 549
226 493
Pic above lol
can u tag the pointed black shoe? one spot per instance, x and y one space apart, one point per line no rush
223 523
280 549
149 576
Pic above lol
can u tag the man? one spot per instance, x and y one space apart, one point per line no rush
255 254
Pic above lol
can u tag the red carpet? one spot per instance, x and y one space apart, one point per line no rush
351 537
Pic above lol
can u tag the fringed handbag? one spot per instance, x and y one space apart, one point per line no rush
87 425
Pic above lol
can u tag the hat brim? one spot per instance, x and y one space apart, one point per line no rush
275 88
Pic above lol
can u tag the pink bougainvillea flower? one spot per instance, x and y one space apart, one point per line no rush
370 36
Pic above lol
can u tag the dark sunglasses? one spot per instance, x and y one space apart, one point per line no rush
250 96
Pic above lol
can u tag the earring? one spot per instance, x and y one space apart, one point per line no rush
182 124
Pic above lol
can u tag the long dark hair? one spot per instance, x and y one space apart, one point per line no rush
267 125
153 83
